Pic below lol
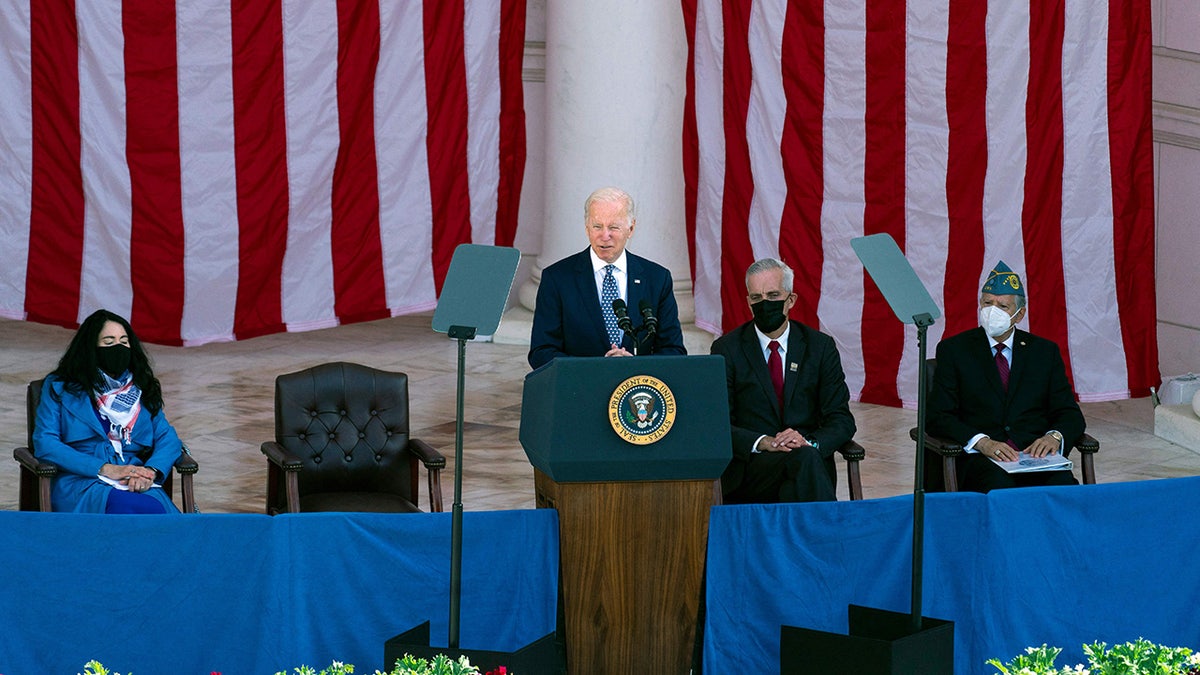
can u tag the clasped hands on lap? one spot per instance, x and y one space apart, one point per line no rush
784 441
136 478
1001 451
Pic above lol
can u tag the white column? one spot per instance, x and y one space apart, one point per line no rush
615 86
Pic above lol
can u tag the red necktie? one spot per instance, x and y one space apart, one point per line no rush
775 365
1002 366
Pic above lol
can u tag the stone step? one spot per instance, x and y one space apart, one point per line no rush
1178 424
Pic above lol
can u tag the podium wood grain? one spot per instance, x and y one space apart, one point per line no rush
632 557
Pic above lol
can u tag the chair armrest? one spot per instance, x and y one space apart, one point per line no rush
39 467
852 451
280 457
1087 444
186 464
432 459
941 446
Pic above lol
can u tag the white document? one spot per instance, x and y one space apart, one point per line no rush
1026 463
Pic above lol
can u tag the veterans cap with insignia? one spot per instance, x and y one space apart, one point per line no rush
1003 281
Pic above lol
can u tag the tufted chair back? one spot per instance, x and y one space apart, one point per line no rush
344 431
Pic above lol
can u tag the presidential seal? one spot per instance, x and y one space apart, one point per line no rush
641 410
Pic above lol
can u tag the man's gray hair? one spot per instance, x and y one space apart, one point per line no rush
610 194
768 264
1018 301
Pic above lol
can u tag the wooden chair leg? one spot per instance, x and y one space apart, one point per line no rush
435 491
852 471
1089 468
951 473
44 493
292 491
189 496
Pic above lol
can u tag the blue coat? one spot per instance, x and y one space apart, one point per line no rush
567 320
68 433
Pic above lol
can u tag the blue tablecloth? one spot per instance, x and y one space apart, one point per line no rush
253 594
1062 566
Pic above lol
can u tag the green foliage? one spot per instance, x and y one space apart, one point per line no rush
335 668
408 665
1131 658
1143 656
96 668
440 665
1035 661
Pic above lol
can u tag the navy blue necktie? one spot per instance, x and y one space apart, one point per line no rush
608 293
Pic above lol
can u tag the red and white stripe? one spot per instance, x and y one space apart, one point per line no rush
970 132
217 170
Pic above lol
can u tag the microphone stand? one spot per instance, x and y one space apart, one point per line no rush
632 336
624 322
649 322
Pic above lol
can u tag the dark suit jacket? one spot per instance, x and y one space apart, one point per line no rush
967 398
816 400
567 320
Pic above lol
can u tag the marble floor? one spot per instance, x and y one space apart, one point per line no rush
219 397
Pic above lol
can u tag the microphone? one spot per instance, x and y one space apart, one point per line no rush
649 321
622 312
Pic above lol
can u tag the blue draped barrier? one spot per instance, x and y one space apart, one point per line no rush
251 594
1062 566
246 594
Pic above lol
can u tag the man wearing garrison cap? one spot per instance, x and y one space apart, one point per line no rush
998 391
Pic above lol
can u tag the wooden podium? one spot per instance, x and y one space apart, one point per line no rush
633 499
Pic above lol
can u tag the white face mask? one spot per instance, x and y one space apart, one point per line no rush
994 320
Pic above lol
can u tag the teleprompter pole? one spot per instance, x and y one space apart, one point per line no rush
923 321
462 334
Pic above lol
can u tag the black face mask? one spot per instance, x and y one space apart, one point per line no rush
768 314
113 360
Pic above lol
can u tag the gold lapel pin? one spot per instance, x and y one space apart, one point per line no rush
792 366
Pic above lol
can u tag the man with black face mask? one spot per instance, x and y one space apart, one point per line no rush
788 401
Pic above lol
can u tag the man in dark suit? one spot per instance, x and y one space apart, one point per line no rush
788 402
574 315
999 391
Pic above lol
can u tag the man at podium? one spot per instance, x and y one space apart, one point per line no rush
575 316
789 405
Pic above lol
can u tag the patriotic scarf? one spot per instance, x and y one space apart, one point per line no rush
119 406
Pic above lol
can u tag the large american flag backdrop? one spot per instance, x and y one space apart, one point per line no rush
216 170
970 131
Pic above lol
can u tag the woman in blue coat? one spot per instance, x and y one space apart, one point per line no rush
101 421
